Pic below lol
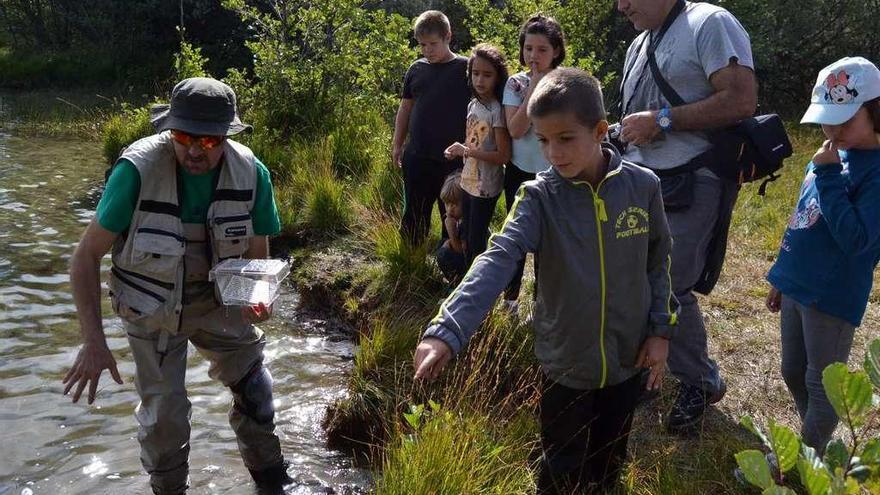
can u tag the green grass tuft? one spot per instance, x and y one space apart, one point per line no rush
123 129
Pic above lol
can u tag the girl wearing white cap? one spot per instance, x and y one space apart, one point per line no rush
824 272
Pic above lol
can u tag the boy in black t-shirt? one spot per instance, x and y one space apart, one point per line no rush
432 113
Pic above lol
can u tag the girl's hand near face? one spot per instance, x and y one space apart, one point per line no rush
455 150
535 76
826 154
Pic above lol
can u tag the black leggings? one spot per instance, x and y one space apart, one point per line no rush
513 178
477 215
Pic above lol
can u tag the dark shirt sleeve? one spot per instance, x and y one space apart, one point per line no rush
407 93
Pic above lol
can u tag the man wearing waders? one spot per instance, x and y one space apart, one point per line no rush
176 204
690 71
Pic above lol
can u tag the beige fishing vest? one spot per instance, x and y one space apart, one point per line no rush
158 258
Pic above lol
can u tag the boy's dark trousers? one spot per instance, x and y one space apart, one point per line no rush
422 180
584 435
477 215
513 178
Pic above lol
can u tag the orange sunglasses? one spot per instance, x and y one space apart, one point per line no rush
206 142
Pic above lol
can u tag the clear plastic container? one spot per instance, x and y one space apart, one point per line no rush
243 282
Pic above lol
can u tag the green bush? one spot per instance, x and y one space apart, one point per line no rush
315 62
324 207
275 154
358 141
28 69
287 202
403 262
383 189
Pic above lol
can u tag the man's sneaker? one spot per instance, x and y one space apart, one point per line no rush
687 410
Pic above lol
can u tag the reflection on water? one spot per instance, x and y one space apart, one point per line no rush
48 189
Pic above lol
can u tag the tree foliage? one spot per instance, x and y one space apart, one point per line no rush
318 64
365 45
110 41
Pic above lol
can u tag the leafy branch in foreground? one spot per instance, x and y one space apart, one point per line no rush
844 469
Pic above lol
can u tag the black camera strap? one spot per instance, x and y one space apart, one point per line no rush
668 92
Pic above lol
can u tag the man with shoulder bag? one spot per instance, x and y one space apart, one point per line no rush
704 53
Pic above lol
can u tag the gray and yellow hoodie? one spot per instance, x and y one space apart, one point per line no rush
603 284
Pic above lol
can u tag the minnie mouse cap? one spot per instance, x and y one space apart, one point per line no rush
841 89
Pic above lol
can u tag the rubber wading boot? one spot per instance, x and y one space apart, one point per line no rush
271 480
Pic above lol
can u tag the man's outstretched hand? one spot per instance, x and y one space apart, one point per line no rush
91 361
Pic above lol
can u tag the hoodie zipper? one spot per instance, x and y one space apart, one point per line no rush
601 216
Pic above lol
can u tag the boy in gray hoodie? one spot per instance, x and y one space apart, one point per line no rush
605 308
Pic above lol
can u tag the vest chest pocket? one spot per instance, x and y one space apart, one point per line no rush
157 252
231 234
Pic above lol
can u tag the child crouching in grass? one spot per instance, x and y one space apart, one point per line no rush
451 253
605 308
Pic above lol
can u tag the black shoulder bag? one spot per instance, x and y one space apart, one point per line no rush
751 149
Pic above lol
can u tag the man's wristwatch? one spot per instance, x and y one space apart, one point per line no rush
664 119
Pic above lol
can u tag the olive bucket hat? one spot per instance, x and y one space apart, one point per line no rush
200 106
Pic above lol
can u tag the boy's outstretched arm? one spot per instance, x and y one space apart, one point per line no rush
664 310
462 312
401 127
